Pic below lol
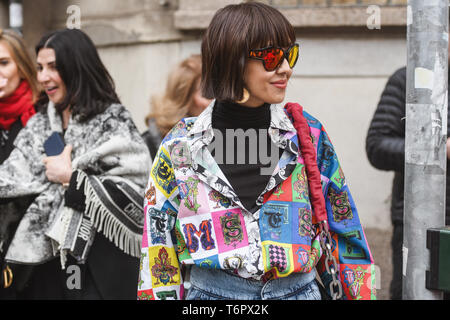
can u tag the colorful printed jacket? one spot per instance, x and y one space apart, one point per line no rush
193 215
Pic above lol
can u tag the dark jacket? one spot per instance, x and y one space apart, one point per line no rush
7 140
385 142
152 138
17 207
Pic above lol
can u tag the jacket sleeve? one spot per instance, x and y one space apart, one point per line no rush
160 275
356 270
385 142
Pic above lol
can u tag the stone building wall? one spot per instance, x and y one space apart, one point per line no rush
341 72
343 67
4 14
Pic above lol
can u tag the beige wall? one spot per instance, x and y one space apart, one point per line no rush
4 14
339 77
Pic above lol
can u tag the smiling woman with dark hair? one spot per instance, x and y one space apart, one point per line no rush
83 159
250 231
92 91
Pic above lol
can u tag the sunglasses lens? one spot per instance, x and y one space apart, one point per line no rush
272 58
293 56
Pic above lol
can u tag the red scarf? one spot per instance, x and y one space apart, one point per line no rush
18 105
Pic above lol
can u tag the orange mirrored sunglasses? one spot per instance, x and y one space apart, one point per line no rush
272 57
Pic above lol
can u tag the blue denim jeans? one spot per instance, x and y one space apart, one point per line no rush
212 284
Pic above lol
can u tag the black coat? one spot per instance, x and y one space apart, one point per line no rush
385 142
7 140
18 206
152 138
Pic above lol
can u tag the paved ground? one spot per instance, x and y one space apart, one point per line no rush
380 245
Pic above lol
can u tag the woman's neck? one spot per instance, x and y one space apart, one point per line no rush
66 117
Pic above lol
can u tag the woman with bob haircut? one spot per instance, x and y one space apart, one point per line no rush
83 159
18 93
251 230
182 98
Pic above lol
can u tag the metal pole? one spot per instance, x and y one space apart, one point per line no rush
426 135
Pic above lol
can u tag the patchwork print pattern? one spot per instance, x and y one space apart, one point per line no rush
353 248
146 295
163 266
277 257
305 228
150 195
354 279
233 260
230 230
274 221
211 262
157 226
193 199
300 184
180 247
194 217
218 200
340 205
163 174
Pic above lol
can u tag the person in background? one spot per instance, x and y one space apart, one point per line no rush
251 230
385 148
182 98
19 91
85 162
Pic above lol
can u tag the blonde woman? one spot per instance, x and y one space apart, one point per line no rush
182 98
18 89
18 93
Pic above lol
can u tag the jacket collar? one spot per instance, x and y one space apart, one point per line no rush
278 120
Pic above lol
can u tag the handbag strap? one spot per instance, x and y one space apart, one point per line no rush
316 195
309 155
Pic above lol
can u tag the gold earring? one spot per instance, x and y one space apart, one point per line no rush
245 96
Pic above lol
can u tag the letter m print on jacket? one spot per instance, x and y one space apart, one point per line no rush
204 233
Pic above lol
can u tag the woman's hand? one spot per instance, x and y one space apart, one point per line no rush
59 168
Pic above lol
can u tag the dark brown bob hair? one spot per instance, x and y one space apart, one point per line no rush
233 32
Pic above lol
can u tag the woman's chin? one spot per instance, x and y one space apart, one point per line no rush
54 99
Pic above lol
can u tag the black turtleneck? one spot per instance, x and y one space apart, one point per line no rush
246 179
